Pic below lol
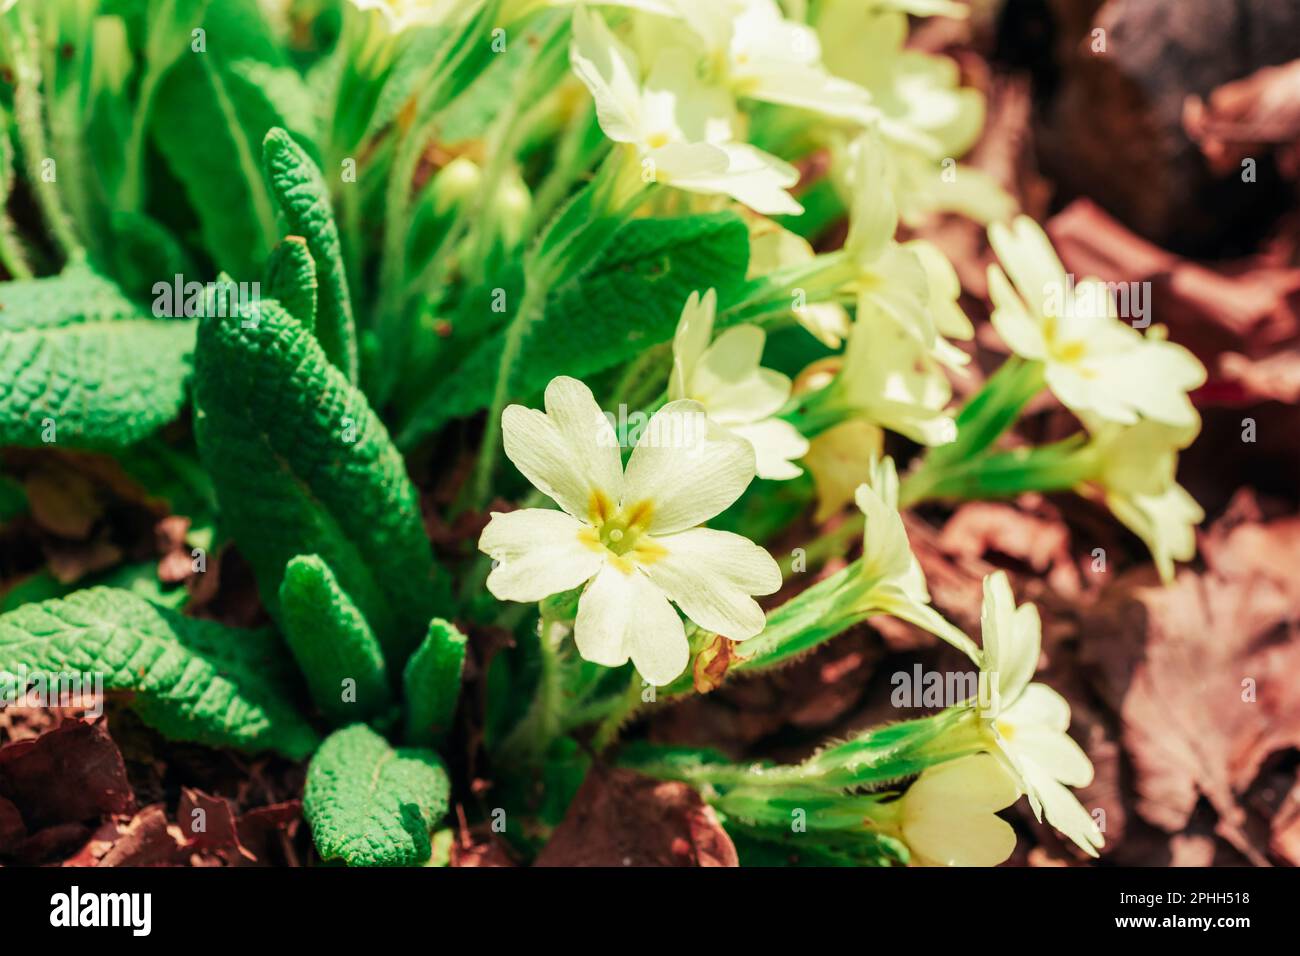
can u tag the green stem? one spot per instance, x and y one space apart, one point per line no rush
531 311
29 116
131 194
628 703
529 740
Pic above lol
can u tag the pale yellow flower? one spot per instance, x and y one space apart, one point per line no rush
891 380
948 816
839 459
726 377
890 580
681 129
628 537
758 54
1026 722
399 15
1136 480
1093 361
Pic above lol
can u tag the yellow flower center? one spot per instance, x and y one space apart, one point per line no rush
621 532
1005 730
656 140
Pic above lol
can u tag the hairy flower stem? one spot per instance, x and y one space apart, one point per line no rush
529 740
531 310
29 117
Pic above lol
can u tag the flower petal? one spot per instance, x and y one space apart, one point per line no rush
948 813
623 614
711 576
691 340
1012 320
777 444
686 467
1012 639
611 72
538 553
570 453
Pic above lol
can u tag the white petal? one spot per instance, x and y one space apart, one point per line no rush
623 614
1018 329
694 329
570 453
687 467
873 216
948 813
1064 811
539 553
777 444
685 164
1012 638
711 575
1026 253
612 74
730 383
751 176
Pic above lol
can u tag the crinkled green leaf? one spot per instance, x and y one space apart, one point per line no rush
630 299
332 643
72 359
189 679
431 683
302 465
297 185
371 805
291 279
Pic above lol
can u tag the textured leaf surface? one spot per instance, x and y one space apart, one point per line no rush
189 679
629 300
291 278
71 351
302 465
331 642
371 805
432 683
298 187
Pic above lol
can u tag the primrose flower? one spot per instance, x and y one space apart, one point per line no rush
890 379
838 459
948 816
1136 481
680 128
400 15
1026 722
760 55
890 579
912 283
1093 361
629 537
926 116
736 391
890 278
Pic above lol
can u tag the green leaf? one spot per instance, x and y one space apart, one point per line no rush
297 185
302 465
331 642
630 299
189 679
71 351
291 279
432 683
370 805
208 120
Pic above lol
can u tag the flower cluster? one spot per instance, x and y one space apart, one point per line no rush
707 106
